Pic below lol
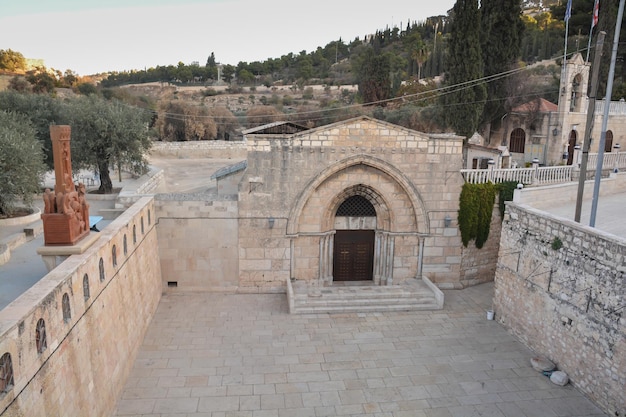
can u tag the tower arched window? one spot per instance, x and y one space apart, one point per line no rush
608 141
518 141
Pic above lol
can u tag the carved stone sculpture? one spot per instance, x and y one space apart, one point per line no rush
66 211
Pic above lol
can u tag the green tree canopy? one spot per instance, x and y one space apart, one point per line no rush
41 109
464 104
373 76
12 61
21 161
108 133
501 32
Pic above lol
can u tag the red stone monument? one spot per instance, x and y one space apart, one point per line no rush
66 212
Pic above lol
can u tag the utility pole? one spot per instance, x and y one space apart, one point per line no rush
591 109
605 118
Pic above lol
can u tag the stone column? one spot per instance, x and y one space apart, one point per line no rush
420 257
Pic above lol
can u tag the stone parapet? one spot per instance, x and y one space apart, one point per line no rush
73 336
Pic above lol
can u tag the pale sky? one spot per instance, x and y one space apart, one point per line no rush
89 36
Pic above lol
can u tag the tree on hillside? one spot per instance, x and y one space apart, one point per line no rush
501 33
260 115
178 121
464 103
19 83
225 121
21 161
373 76
12 61
41 80
107 134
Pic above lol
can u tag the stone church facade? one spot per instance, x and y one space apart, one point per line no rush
550 132
356 200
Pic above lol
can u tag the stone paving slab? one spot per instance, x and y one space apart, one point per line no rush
243 355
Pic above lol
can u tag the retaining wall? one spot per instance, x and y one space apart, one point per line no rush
560 288
95 308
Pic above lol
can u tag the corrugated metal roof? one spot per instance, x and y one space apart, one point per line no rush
230 169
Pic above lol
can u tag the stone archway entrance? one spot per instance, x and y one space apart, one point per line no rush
353 259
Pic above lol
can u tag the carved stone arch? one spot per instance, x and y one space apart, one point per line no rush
383 214
417 205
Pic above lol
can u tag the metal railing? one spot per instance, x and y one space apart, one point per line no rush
535 175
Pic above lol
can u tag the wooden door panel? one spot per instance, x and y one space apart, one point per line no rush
354 255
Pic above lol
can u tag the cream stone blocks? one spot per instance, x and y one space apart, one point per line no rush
300 180
565 300
89 354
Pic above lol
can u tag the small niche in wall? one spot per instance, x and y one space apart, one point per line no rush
172 284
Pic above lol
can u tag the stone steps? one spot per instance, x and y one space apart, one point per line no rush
412 295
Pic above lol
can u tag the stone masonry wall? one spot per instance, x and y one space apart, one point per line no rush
560 288
280 173
198 242
201 149
88 354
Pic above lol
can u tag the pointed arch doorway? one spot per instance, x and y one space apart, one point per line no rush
355 235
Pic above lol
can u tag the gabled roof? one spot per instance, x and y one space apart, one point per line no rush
365 118
542 105
274 128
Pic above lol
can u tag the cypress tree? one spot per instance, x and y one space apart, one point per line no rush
501 38
464 105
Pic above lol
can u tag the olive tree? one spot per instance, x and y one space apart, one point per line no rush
106 133
21 162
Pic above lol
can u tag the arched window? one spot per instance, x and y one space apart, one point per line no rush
576 93
518 141
114 255
6 373
125 246
149 218
65 304
40 336
134 234
608 141
356 206
86 287
571 145
101 266
142 229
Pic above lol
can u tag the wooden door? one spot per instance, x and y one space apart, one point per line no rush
354 255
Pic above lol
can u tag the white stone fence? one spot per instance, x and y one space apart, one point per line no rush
537 175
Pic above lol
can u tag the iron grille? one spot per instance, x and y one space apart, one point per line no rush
356 206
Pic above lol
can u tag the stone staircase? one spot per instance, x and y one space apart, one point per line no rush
362 297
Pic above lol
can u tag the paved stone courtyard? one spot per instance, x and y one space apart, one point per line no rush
219 355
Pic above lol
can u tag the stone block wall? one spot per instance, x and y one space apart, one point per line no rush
95 309
286 171
560 288
479 265
201 149
198 242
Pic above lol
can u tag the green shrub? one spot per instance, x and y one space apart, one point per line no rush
475 211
